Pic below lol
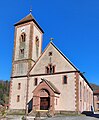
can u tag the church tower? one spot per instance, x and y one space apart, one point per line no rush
27 45
27 49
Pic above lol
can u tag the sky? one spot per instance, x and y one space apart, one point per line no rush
74 25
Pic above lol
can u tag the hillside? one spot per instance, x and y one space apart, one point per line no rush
94 86
4 92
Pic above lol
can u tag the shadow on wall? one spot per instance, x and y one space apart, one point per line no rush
91 114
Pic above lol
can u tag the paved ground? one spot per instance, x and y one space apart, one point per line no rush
55 118
74 118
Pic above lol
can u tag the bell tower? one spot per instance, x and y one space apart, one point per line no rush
27 45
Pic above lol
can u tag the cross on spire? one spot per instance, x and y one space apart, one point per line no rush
31 9
51 39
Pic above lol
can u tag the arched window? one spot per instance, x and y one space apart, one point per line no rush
22 45
35 81
50 69
80 90
21 53
37 45
23 37
64 79
84 93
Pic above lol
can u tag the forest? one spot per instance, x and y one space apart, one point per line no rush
4 92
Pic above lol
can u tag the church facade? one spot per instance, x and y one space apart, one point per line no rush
44 80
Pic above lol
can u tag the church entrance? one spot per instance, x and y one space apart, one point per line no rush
44 99
44 103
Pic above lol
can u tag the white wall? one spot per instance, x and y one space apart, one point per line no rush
14 92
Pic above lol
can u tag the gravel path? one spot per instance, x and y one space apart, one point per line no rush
54 118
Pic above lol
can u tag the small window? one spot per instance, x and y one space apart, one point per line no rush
37 41
35 81
19 86
50 53
53 69
56 101
64 79
22 51
18 98
47 70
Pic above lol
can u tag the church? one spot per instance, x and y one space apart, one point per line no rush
44 80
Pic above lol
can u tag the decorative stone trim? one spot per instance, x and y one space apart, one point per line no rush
45 74
24 24
77 91
30 46
10 92
13 58
25 60
36 96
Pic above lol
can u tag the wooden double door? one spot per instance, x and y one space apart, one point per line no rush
44 103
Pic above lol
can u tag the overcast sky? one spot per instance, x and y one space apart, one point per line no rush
74 25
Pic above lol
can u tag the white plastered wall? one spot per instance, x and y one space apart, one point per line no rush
22 93
66 100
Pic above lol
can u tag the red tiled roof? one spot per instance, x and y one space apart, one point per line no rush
96 92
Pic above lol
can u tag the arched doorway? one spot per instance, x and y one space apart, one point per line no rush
44 99
44 96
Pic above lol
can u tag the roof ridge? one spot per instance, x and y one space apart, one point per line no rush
27 17
51 85
64 56
58 51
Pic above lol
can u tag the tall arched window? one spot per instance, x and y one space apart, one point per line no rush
23 37
22 45
37 45
64 79
80 90
84 93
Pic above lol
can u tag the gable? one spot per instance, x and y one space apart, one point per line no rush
61 63
45 84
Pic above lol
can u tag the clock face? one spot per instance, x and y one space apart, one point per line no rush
23 29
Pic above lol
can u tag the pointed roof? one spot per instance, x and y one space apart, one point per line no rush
51 43
51 85
64 56
28 18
